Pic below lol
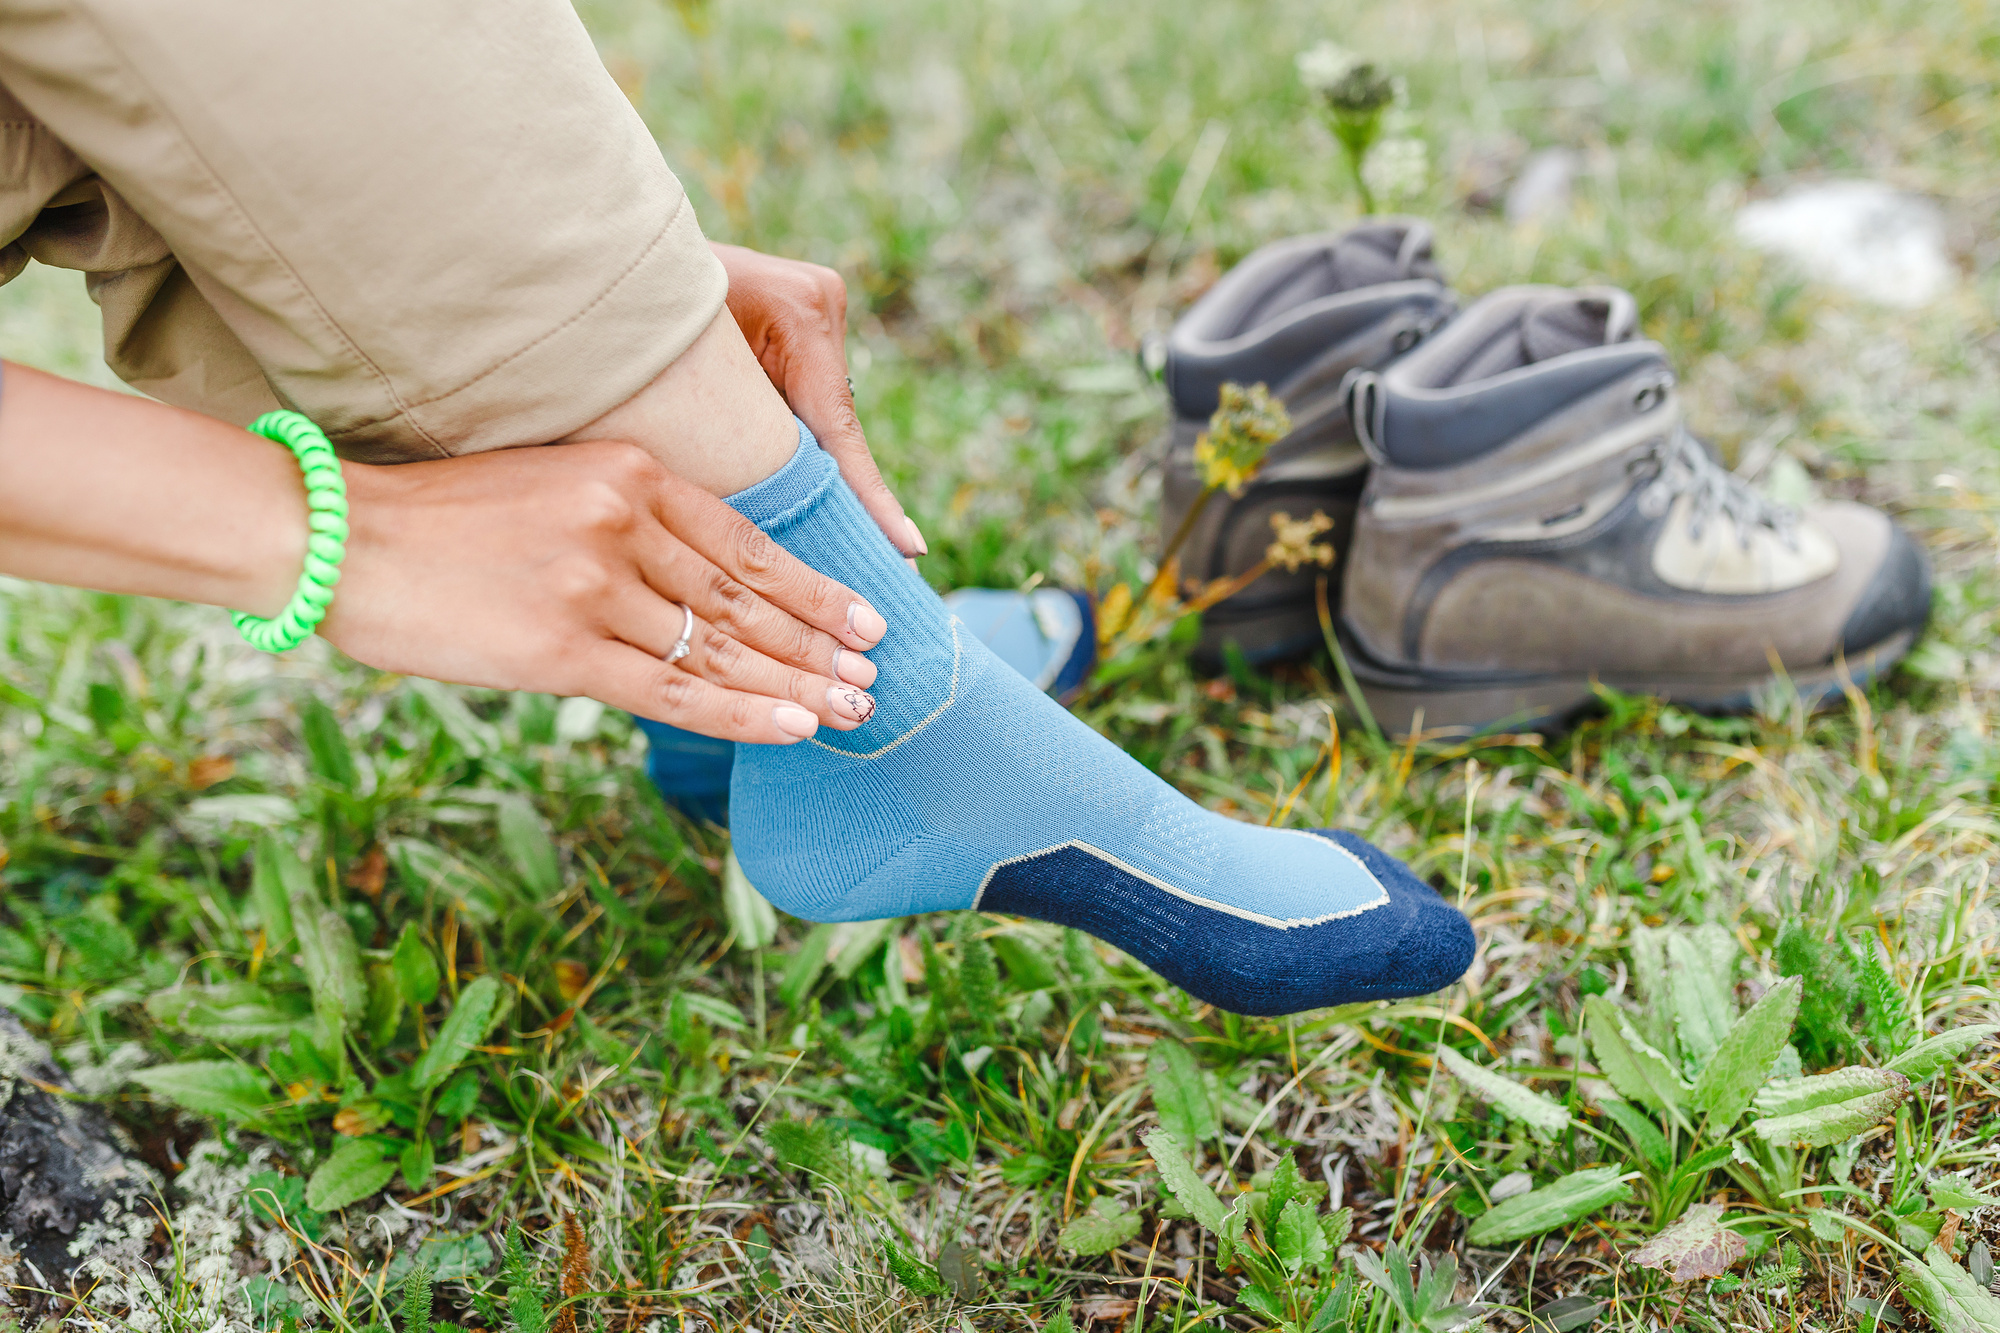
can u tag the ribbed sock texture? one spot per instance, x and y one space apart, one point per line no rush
970 787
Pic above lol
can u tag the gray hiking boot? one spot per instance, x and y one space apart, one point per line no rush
1297 315
1539 519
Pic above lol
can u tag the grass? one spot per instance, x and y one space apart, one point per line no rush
765 1125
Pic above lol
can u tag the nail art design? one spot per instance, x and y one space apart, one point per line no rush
855 704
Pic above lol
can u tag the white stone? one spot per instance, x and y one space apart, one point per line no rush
1863 236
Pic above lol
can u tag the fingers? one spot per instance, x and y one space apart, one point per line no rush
624 677
693 646
748 560
794 315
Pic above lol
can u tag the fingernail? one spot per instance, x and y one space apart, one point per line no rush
866 622
794 720
852 704
917 542
853 668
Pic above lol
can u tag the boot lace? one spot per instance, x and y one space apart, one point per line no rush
1682 465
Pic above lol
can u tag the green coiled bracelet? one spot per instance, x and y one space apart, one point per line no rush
326 539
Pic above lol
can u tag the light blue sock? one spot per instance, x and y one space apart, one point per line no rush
971 788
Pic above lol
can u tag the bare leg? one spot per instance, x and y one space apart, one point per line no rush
712 416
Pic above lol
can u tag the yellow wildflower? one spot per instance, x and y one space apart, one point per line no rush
1295 545
1245 426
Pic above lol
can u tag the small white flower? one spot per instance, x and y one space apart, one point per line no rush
1398 168
1322 65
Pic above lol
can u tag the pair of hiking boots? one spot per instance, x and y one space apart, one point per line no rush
1520 513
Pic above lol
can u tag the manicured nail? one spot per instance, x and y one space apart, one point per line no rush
853 668
852 704
866 622
917 544
794 720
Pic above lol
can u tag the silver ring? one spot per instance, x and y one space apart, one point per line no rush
681 645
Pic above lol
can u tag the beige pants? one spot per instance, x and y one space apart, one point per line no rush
434 226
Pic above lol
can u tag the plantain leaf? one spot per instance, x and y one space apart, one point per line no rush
1576 1195
1101 1230
327 752
1542 1115
332 961
1805 1094
416 968
357 1168
1183 1182
1642 1131
463 1028
1655 1019
210 1087
1927 1057
1179 1093
750 915
275 874
1830 1108
529 850
1742 1061
1702 979
1639 1072
233 1011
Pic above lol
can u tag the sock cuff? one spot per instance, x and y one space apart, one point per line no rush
796 485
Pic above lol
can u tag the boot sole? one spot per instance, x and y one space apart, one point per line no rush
1437 704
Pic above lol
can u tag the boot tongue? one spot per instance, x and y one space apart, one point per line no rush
1383 252
1588 317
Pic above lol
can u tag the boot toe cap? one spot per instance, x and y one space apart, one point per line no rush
1896 600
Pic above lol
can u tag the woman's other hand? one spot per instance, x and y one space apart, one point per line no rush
794 316
563 571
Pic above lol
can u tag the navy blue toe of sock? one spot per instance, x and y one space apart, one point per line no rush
1411 943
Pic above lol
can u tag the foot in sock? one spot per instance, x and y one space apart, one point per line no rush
970 788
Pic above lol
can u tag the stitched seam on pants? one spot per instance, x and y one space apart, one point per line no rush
284 264
596 301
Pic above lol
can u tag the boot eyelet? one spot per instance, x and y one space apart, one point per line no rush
1407 338
1652 393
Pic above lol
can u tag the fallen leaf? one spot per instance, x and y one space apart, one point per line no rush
351 1122
1697 1246
370 872
210 769
1104 1307
571 978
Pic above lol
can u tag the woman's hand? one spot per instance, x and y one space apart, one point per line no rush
794 316
562 570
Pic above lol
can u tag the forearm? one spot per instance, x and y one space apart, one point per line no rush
99 490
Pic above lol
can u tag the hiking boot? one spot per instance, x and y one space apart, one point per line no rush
1539 520
1297 316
